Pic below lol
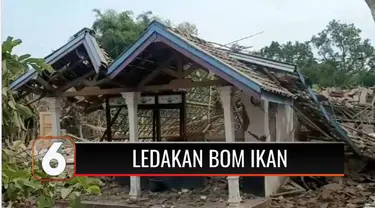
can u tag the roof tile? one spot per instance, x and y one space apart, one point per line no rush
261 79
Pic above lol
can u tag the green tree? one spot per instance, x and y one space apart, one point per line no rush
354 58
188 28
341 57
18 184
118 31
15 112
299 53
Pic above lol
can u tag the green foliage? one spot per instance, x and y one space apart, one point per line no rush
298 53
341 57
90 185
17 182
20 186
187 28
118 31
17 178
13 66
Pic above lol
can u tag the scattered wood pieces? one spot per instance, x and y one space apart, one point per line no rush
353 190
353 109
258 203
288 193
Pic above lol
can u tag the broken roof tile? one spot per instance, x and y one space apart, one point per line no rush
261 79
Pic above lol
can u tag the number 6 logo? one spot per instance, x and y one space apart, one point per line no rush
53 163
51 155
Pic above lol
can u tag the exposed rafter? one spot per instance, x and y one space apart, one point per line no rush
180 84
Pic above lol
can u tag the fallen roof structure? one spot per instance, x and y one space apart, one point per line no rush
354 109
311 111
82 69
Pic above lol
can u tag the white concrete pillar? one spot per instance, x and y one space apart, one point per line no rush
281 124
131 100
266 116
234 198
226 100
54 105
290 123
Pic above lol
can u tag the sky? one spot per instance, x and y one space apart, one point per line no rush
45 25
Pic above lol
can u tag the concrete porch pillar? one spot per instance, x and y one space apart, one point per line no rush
54 105
131 100
233 181
282 124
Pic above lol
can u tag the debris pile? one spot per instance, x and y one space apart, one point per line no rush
214 192
360 96
355 111
348 194
338 115
356 189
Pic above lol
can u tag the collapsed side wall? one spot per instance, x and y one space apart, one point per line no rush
275 123
284 133
254 110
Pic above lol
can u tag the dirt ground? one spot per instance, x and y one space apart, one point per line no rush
214 193
354 190
347 193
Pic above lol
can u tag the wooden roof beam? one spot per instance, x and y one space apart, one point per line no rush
171 72
180 67
73 83
94 91
154 73
199 104
190 69
45 84
60 72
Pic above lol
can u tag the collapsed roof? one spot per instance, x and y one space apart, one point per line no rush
80 57
82 63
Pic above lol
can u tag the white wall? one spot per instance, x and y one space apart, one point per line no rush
284 133
256 118
261 124
291 123
281 124
272 184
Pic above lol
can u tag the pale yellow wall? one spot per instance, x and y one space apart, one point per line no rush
45 124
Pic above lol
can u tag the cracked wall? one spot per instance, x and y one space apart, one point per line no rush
271 122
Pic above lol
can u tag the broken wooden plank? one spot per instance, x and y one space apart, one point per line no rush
92 204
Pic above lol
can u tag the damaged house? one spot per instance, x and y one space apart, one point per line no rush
173 86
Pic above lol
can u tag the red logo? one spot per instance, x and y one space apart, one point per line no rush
53 158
